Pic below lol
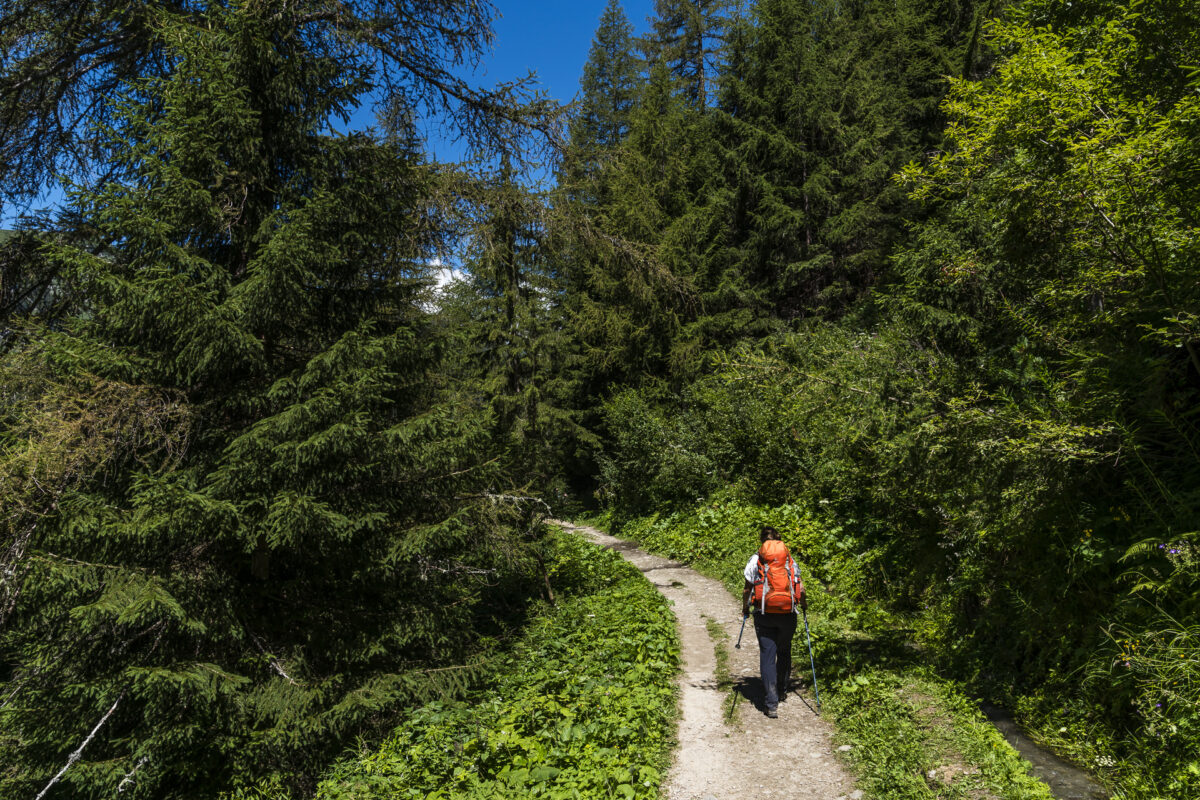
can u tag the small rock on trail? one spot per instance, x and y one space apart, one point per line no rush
750 758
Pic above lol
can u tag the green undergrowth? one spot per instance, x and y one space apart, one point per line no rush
913 735
582 707
901 720
720 640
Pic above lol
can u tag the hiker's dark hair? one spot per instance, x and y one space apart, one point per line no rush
770 533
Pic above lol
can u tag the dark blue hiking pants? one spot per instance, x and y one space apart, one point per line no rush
774 632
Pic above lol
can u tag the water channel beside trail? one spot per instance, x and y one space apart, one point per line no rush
1066 781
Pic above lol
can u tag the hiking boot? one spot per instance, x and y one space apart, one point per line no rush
773 713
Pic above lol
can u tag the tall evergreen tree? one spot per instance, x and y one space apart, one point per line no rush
610 84
609 91
269 524
61 60
688 37
509 312
826 101
626 297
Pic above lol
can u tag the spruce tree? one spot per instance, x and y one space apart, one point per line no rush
824 103
610 84
509 316
269 526
625 296
689 37
609 90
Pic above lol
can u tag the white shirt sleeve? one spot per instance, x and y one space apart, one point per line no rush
751 571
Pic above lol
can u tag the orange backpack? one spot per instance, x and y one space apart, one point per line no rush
775 586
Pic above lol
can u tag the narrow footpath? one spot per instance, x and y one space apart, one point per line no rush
743 755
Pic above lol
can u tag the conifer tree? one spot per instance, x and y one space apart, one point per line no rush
610 83
688 37
270 523
509 311
824 104
626 297
61 60
609 91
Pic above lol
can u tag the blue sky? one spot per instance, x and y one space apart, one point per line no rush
552 38
547 37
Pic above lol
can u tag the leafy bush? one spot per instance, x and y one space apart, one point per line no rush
658 458
718 537
1149 673
582 707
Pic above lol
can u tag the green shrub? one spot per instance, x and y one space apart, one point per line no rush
904 724
583 706
657 460
719 536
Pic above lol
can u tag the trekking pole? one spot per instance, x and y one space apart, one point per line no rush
738 646
810 660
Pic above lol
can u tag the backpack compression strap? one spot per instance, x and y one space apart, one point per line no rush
762 579
792 570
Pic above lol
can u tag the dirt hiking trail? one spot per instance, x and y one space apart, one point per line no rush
748 757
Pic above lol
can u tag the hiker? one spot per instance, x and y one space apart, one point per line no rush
773 584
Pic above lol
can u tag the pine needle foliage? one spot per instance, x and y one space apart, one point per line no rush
253 522
822 103
513 343
609 91
688 38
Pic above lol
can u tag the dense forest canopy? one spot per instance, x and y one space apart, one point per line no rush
925 268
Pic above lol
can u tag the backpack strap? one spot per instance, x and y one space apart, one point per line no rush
766 584
793 573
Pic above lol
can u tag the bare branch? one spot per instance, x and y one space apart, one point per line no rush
71 759
127 781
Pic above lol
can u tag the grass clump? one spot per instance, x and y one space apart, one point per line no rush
914 736
720 641
582 707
